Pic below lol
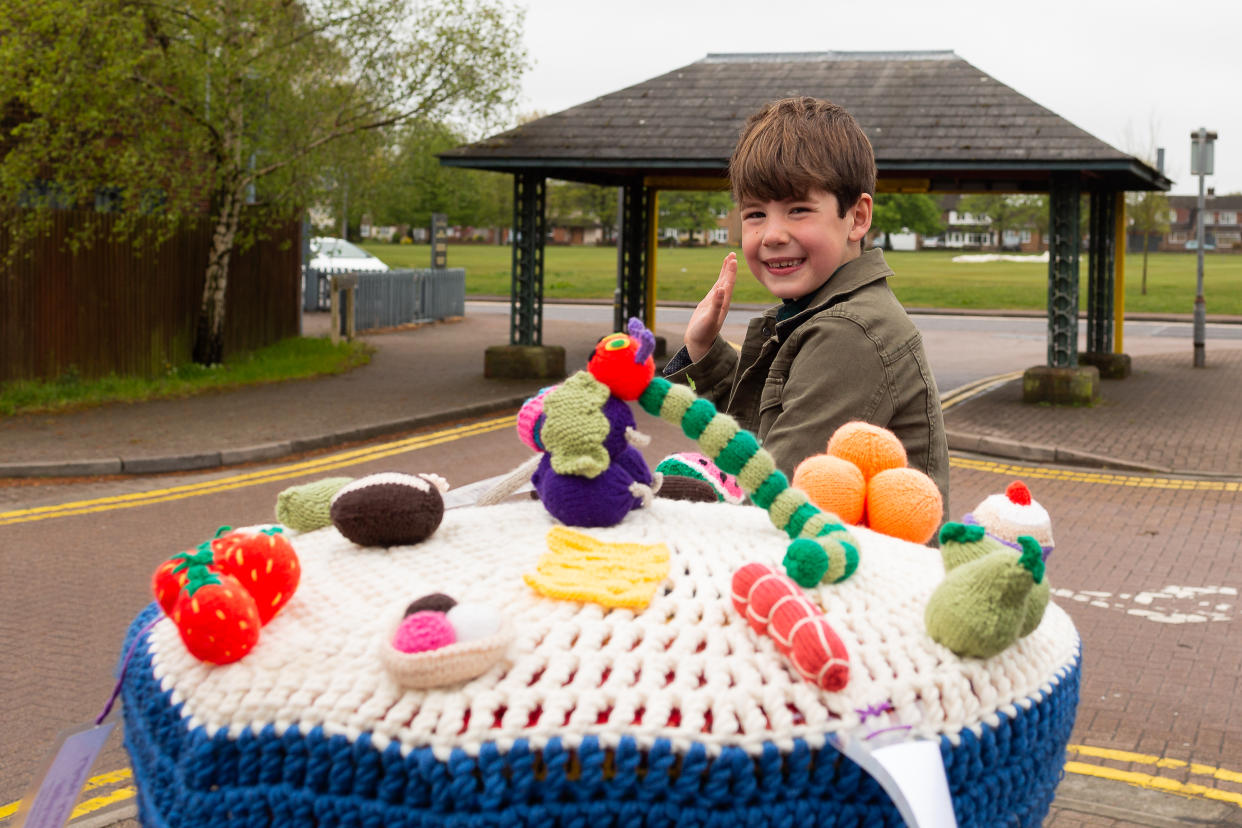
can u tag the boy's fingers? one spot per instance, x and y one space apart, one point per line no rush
728 278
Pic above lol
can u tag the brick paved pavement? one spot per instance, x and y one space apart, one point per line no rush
1166 415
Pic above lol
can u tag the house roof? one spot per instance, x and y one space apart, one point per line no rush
936 123
1212 202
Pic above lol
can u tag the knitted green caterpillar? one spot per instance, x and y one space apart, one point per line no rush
822 549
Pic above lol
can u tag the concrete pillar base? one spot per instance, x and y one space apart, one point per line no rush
1061 386
1111 366
524 362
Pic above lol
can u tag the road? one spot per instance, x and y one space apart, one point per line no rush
74 577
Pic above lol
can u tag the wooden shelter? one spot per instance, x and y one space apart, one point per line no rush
937 123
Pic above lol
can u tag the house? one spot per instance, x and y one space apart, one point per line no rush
1222 223
967 231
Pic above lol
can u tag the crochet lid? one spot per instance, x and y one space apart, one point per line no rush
687 669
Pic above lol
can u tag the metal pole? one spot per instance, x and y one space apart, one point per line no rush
1200 305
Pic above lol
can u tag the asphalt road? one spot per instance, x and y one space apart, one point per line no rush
72 583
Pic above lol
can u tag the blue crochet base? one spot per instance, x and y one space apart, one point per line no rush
186 778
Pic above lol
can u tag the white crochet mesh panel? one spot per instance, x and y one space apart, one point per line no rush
687 668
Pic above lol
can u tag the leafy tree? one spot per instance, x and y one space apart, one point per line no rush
209 101
573 202
902 212
693 210
1007 211
1149 216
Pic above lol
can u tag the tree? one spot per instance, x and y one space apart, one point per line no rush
1006 211
1149 215
693 210
209 101
905 212
573 202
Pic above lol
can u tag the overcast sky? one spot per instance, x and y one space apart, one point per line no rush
1138 74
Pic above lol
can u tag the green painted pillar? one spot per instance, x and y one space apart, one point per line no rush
631 293
526 286
1063 244
1100 273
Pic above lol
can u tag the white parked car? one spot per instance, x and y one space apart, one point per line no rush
340 256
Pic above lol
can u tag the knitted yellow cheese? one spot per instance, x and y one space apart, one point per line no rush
578 567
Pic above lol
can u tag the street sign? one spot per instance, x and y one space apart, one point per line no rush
439 240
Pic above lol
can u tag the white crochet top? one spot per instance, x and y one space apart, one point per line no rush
687 668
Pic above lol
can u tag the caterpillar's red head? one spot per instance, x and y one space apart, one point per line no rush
623 362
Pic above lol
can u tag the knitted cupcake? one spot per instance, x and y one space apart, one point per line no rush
1012 514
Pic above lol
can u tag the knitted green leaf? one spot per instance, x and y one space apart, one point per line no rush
575 426
953 532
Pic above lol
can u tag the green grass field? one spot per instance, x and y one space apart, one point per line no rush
293 358
926 278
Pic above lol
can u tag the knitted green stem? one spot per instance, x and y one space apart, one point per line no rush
822 549
199 577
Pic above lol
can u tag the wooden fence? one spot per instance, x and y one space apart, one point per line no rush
117 308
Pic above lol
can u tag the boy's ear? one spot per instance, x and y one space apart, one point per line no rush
861 214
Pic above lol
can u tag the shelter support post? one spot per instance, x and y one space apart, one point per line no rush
634 241
1101 286
526 357
1062 380
526 287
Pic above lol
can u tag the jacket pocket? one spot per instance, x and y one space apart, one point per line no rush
771 403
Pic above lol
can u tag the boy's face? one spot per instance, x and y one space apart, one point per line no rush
792 246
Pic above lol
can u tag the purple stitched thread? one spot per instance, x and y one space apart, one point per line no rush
116 691
874 710
886 730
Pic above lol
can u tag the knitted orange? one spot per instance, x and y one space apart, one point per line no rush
904 503
871 448
834 485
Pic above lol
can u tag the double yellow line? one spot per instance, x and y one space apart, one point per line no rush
1136 778
316 466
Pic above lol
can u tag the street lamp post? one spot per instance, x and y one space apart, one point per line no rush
1201 164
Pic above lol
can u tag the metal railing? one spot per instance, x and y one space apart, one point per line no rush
394 297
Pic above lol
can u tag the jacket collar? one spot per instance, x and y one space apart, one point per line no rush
849 277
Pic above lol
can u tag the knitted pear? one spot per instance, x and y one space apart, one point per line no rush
1037 601
980 607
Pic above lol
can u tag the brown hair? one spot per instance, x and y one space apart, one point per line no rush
795 145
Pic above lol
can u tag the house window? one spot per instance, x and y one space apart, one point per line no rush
719 236
1230 217
1209 217
1172 215
1228 238
1177 237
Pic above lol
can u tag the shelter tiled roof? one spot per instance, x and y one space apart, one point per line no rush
929 115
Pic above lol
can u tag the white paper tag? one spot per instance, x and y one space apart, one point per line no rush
50 800
911 773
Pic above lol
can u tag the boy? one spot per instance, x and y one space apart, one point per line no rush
840 347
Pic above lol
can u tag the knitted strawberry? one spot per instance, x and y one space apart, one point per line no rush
263 562
217 619
171 576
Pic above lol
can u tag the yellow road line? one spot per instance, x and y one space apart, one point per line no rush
1157 761
316 466
1134 480
1155 783
965 392
94 804
90 805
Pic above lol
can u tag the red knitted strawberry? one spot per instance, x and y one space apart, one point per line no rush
264 563
170 576
217 619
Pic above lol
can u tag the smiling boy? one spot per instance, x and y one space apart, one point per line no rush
840 347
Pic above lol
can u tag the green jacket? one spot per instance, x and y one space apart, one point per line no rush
851 354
